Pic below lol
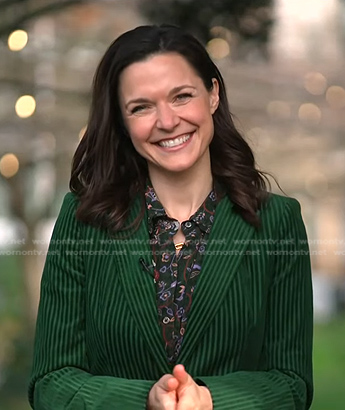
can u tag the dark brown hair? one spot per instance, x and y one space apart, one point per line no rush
108 173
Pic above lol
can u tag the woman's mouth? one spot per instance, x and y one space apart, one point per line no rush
174 142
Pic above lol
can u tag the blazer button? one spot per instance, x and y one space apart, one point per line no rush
188 224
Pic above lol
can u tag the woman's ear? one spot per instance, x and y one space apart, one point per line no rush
214 96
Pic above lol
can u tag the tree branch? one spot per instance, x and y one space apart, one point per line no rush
48 9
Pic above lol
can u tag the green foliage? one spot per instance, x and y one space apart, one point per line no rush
251 19
16 338
329 365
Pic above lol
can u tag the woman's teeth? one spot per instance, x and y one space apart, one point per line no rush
174 142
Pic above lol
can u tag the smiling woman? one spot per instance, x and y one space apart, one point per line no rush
168 113
174 280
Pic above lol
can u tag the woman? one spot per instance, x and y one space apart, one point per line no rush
174 280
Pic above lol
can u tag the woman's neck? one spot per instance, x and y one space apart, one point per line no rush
182 193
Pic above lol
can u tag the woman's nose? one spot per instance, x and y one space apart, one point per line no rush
167 118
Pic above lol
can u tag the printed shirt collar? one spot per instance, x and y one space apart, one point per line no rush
203 217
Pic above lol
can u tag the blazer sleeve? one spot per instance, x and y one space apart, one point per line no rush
60 377
286 383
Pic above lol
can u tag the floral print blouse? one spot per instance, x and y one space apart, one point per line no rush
176 275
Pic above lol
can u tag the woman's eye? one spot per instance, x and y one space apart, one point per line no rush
138 109
183 97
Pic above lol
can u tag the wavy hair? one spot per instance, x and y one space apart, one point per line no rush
107 172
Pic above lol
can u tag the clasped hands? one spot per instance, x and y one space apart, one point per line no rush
178 391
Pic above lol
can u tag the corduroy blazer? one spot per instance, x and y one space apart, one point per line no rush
98 344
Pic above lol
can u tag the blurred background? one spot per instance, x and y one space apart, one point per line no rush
283 63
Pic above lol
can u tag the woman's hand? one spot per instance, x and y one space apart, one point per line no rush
179 392
163 394
189 394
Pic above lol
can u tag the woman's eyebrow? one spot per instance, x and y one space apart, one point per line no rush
174 90
180 87
137 101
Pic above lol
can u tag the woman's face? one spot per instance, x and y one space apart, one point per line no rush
168 112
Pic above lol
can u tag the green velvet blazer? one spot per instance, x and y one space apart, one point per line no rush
249 337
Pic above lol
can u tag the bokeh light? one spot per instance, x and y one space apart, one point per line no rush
218 48
309 113
315 83
335 97
250 24
9 165
25 106
17 40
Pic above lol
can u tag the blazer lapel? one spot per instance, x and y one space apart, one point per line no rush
226 246
139 288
